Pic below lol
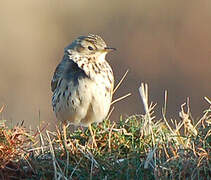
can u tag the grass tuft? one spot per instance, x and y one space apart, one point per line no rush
135 147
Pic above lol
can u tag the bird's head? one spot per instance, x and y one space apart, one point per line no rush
91 45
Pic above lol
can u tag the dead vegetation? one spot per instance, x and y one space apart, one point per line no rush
137 147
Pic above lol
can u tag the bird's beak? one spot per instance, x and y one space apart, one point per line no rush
108 49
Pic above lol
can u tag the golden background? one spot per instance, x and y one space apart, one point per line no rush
164 43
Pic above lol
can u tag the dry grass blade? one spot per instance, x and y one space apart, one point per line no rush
2 108
165 103
52 154
143 90
185 116
75 168
109 139
120 98
149 160
109 114
208 100
120 82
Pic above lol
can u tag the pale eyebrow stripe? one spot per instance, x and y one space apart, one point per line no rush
92 42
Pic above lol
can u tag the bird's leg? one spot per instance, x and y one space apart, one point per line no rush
64 128
93 136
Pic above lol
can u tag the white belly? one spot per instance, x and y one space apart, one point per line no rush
82 103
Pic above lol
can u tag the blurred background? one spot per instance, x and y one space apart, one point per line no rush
166 44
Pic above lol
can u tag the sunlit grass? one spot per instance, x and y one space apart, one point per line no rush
135 147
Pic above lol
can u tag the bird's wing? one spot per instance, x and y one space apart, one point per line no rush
67 69
56 76
58 73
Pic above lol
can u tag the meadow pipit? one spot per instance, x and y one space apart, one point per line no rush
83 83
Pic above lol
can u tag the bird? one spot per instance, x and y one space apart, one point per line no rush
83 83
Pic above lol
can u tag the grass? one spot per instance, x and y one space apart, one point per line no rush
136 147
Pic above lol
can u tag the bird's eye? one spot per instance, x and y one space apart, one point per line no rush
90 48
